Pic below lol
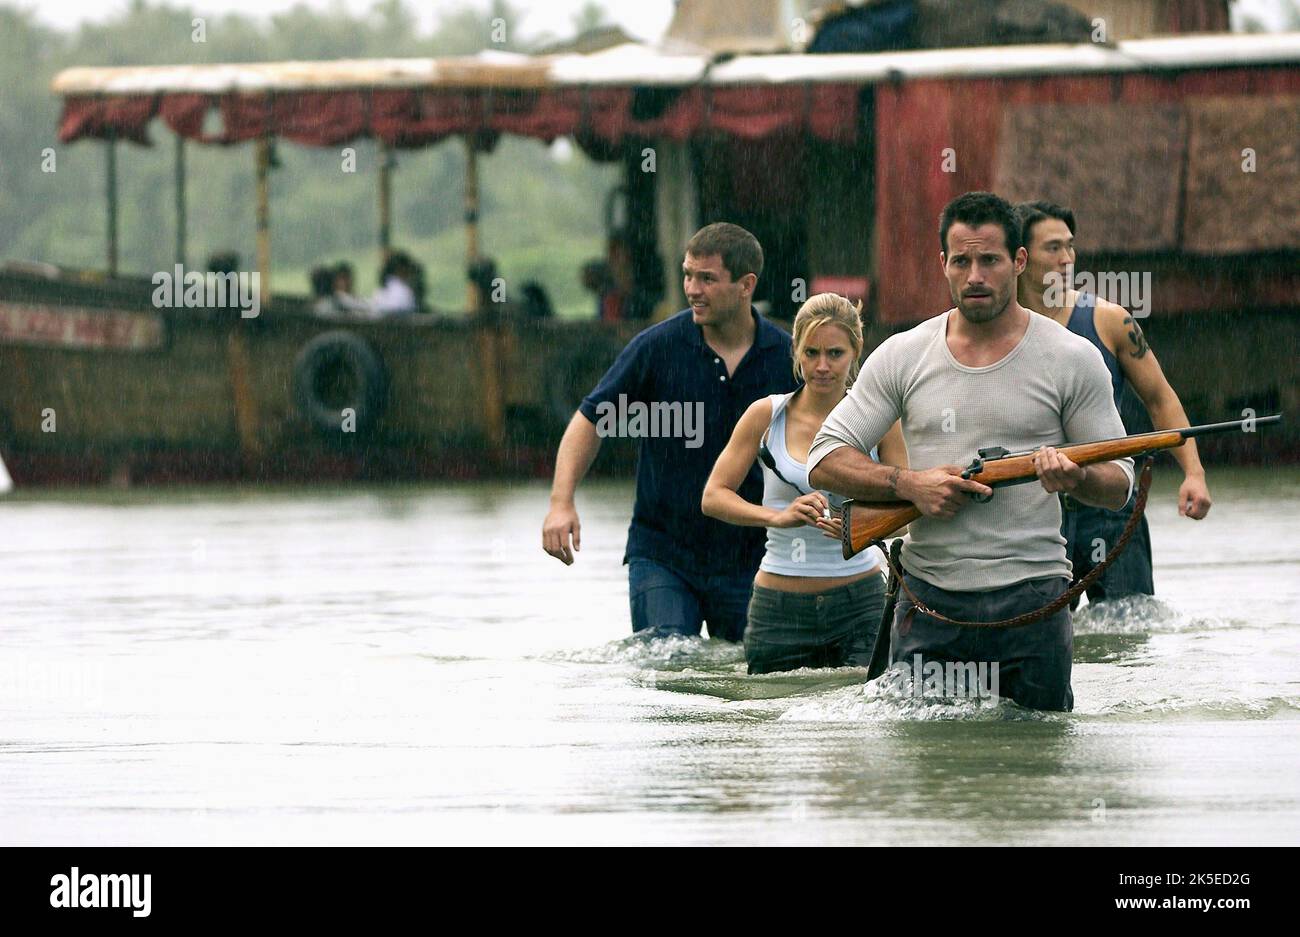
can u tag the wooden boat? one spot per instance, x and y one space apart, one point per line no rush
101 386
98 383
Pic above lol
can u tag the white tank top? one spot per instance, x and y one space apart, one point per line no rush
804 550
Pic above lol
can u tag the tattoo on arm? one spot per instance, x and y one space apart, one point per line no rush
893 481
1136 338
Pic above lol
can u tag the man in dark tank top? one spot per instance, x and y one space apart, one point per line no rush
1048 231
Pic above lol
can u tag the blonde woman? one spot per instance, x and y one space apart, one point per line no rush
809 607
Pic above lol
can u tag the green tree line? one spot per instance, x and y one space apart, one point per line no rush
540 212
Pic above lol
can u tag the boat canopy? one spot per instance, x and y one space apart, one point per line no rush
629 90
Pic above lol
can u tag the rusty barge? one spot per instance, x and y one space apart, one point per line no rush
839 163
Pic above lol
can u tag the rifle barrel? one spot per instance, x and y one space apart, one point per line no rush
1230 424
1187 432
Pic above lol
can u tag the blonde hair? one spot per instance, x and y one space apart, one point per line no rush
828 309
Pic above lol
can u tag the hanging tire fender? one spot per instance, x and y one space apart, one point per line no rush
336 372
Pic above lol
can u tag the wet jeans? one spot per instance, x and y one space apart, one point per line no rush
668 601
835 628
1033 661
1090 532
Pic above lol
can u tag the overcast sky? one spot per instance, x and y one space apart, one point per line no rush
644 19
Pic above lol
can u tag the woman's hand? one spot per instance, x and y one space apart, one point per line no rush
805 509
832 527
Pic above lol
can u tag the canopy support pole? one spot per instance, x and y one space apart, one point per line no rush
110 187
238 360
386 165
471 214
264 214
180 200
490 340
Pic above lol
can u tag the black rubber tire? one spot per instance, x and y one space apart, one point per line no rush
330 355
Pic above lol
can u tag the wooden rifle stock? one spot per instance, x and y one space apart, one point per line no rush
867 521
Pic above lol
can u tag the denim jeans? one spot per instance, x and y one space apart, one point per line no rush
669 601
835 628
1033 661
1088 530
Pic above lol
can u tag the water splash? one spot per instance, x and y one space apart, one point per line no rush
891 698
1169 708
660 652
693 665
1141 615
739 685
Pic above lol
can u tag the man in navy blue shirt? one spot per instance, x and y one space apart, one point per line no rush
679 387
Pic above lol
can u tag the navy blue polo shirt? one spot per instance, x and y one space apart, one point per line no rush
670 363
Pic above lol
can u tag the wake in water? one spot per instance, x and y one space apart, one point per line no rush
1140 614
1135 658
693 665
1200 709
1119 631
661 652
895 696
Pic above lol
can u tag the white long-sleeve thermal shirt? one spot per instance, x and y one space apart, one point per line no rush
1052 389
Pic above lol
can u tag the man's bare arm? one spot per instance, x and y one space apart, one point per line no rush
1104 485
578 449
936 492
1123 335
853 474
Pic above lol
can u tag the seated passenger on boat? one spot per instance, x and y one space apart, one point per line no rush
401 285
322 292
487 294
345 300
331 289
809 606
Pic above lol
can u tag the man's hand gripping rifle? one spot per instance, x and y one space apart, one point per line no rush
866 522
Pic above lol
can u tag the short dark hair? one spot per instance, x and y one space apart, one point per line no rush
740 251
481 272
322 282
1030 213
977 208
223 262
399 263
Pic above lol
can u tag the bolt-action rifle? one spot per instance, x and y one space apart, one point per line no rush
868 521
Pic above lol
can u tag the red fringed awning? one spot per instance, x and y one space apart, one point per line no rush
123 118
419 117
